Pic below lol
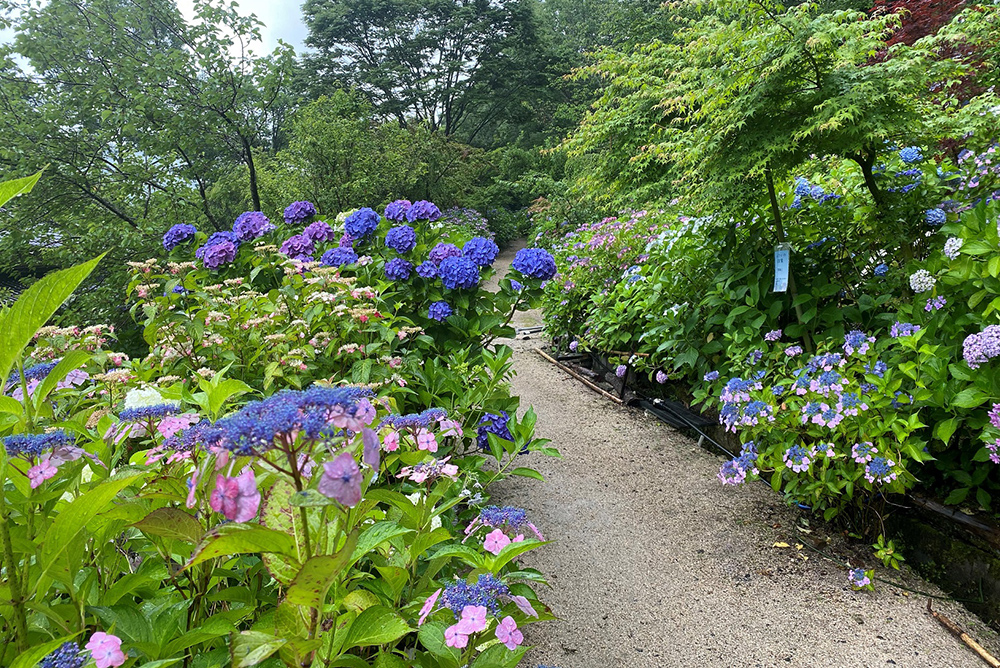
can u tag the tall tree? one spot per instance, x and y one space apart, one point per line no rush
452 65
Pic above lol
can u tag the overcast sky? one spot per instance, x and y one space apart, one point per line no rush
282 20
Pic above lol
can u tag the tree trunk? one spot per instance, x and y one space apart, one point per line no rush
254 193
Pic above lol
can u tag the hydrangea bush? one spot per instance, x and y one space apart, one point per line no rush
284 480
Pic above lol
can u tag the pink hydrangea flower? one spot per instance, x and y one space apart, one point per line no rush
426 441
524 605
496 541
508 634
106 650
41 472
391 441
172 424
341 480
192 484
473 619
452 638
237 498
428 607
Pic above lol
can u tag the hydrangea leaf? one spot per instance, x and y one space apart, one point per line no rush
231 539
251 647
317 574
377 625
171 523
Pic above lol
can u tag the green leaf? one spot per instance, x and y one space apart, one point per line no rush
528 473
431 637
171 523
232 539
30 658
944 429
375 535
11 189
34 308
72 520
251 647
71 361
512 551
318 574
969 398
377 625
957 496
498 656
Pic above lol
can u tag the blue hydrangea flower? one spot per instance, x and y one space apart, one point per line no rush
882 269
177 235
33 372
439 310
492 423
398 269
458 273
442 251
802 187
481 250
339 256
299 212
361 223
485 592
251 225
68 655
817 193
911 154
427 269
33 445
414 421
401 238
144 413
535 262
423 210
516 286
397 210
935 217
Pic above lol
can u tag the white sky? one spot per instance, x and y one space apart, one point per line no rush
282 20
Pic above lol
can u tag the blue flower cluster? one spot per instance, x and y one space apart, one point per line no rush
401 238
68 655
318 413
421 420
339 256
218 249
397 210
144 413
493 424
439 310
935 217
250 225
423 210
485 592
498 516
911 154
299 212
32 445
361 223
882 269
458 273
34 372
427 270
398 269
177 235
535 262
481 250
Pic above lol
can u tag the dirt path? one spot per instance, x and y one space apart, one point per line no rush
655 564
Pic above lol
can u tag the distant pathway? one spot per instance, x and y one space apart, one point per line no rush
655 564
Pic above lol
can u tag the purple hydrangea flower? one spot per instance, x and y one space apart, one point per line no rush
798 458
481 250
361 223
621 370
341 480
299 212
899 329
661 377
68 655
935 304
439 310
458 273
858 578
339 256
982 347
319 231
574 345
397 210
398 269
177 235
442 251
423 210
710 376
219 249
401 238
773 335
493 424
792 351
251 225
857 341
298 247
880 469
535 262
427 270
863 452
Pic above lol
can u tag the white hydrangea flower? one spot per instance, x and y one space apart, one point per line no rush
952 248
922 281
142 397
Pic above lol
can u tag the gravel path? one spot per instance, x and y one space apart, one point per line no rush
656 564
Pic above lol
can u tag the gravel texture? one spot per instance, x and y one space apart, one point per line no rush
654 563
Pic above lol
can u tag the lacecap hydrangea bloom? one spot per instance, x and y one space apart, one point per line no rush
401 238
535 262
458 273
439 310
251 225
423 210
398 269
177 235
481 250
361 223
299 212
339 256
921 281
397 210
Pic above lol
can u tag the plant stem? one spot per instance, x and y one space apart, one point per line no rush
16 593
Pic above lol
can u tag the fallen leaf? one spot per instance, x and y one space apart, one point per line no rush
781 545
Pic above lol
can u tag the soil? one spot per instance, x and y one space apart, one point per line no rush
654 563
